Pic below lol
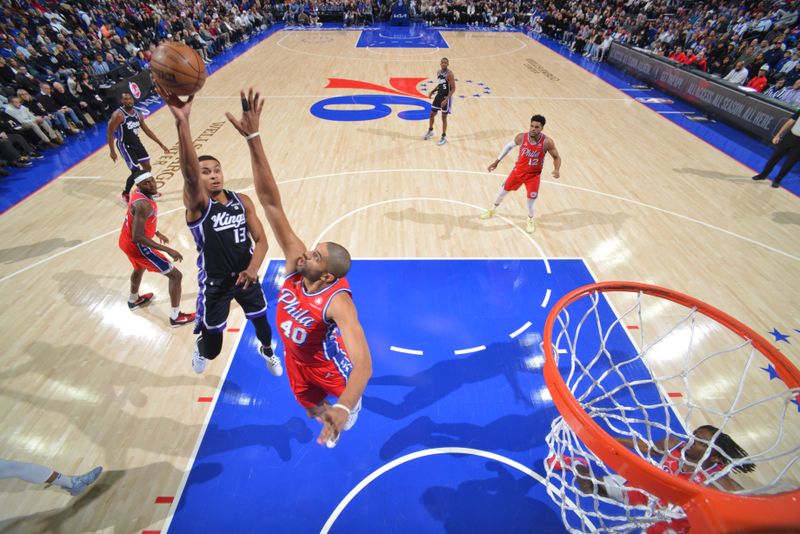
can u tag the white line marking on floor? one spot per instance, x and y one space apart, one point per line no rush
546 299
470 350
406 351
519 330
422 454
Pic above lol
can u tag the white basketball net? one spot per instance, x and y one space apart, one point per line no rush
660 370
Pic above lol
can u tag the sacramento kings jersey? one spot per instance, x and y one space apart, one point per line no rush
128 131
223 241
442 85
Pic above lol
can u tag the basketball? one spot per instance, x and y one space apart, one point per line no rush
178 69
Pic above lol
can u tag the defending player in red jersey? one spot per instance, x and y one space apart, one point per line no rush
326 352
136 241
687 460
533 145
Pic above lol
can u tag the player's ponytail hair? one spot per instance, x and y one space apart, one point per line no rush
730 449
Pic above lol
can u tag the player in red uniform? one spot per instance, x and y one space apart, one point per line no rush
325 349
679 458
136 241
533 145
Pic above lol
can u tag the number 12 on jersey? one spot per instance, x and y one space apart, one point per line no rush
295 333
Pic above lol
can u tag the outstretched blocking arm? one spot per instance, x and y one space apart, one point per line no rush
506 149
195 197
551 149
266 188
342 311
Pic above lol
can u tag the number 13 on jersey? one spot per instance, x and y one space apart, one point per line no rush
295 333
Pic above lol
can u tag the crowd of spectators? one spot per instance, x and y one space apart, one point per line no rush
747 43
57 58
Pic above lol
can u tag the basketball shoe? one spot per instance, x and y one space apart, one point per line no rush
351 420
143 300
274 365
442 140
198 362
182 319
428 135
488 214
530 227
81 482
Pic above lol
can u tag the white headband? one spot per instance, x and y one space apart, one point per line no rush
142 177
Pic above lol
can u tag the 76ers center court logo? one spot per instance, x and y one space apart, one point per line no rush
402 93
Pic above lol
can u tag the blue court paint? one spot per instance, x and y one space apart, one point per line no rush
372 107
259 469
401 37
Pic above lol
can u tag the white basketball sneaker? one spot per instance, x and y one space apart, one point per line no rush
198 362
81 482
274 365
353 417
530 227
428 135
488 214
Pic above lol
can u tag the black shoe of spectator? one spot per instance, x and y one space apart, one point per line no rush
776 184
759 176
35 155
4 172
20 164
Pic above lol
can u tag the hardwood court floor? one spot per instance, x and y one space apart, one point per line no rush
84 382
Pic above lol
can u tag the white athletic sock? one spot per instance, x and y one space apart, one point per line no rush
175 312
530 207
133 297
34 473
500 196
63 481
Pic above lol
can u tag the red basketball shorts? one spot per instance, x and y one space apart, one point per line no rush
311 385
142 257
531 181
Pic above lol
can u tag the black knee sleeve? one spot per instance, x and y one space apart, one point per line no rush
210 344
263 330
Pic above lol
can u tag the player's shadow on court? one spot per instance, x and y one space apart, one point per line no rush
786 217
498 504
105 505
715 175
278 437
445 221
35 250
510 433
435 383
574 218
84 290
85 382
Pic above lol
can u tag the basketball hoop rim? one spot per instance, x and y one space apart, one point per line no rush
708 509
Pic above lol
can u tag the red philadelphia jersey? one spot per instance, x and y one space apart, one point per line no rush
152 221
531 156
307 336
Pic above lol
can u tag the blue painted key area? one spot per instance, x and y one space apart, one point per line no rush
259 468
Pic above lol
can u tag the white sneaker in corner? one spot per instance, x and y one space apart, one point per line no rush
198 362
274 365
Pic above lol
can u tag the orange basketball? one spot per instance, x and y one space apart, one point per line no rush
178 69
